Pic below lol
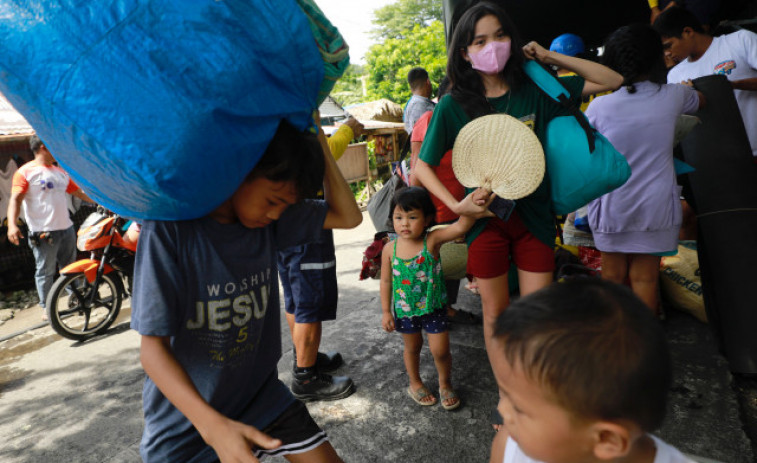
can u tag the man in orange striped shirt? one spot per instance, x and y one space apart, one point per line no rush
39 188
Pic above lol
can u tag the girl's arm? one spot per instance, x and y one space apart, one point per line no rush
343 210
468 206
231 439
599 78
463 224
387 321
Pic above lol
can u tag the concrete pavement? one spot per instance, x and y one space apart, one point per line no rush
81 402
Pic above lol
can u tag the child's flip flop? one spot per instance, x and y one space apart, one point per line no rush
447 394
421 393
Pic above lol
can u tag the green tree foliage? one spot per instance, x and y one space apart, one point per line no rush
349 88
397 20
388 63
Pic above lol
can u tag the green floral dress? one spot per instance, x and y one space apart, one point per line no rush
417 284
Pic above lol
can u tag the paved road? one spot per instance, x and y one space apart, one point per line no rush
65 401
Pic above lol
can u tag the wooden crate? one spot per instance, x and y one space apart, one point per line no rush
354 163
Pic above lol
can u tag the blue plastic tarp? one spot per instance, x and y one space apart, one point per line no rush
158 108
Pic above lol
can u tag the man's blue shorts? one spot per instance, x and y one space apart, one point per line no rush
308 276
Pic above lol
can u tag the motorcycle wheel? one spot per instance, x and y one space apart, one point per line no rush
70 311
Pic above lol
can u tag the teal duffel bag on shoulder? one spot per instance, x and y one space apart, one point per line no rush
582 164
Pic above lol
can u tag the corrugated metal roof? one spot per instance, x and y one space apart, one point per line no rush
11 122
330 108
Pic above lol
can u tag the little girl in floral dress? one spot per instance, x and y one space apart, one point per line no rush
412 288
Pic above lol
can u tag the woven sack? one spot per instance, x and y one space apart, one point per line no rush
681 283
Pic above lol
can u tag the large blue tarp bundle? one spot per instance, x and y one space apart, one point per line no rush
158 108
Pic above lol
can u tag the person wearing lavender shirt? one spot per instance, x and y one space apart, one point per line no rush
637 223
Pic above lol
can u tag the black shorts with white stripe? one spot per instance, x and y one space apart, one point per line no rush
296 430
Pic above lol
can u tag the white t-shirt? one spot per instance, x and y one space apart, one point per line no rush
666 453
734 56
45 187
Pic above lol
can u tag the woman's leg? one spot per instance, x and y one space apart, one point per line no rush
530 282
615 267
412 357
495 297
644 273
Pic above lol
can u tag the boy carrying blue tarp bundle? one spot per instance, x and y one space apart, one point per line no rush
206 303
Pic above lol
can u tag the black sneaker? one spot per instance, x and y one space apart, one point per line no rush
325 362
320 386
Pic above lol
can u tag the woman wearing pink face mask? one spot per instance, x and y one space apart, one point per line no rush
485 65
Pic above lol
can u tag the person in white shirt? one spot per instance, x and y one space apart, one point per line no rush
39 187
700 54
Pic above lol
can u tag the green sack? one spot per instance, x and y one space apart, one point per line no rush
334 50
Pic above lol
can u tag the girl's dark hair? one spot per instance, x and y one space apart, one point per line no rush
414 197
636 53
594 347
467 86
293 155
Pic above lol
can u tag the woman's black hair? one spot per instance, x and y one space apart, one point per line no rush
443 88
293 155
467 87
414 197
636 53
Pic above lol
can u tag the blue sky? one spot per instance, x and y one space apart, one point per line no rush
353 19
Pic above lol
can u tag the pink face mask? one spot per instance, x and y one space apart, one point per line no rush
492 58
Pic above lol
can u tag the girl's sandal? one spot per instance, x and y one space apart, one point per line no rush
421 393
448 394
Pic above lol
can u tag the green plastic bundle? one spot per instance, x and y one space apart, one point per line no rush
334 50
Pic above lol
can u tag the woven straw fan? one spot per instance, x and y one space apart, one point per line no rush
499 153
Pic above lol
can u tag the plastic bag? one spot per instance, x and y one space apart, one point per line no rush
159 108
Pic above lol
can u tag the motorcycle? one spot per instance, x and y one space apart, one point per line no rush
86 298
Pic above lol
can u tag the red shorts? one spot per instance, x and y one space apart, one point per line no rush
489 254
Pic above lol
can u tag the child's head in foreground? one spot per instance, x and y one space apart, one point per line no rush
290 169
584 370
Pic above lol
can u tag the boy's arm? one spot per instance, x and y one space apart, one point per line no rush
231 439
598 78
343 209
387 321
745 84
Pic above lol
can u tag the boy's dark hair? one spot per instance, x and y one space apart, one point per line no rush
595 347
672 21
635 52
293 155
467 86
35 144
414 197
416 77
